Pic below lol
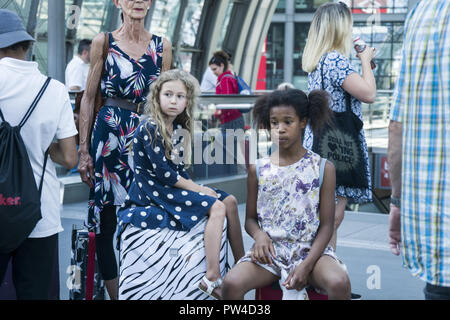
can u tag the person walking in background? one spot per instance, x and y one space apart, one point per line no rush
135 59
226 84
209 81
325 58
78 68
418 152
290 214
162 194
20 82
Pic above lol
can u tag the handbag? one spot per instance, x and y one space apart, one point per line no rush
99 101
340 144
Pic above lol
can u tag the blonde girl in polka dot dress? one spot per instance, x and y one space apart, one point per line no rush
162 194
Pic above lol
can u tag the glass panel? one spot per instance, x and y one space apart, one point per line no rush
378 6
300 35
40 47
93 18
184 60
164 17
308 5
275 55
191 21
226 22
387 39
281 7
214 152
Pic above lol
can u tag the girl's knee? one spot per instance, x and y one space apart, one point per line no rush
218 210
339 284
231 201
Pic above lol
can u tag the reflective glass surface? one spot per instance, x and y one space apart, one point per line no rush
308 5
300 79
164 17
275 55
387 38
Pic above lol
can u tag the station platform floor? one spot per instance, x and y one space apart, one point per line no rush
374 271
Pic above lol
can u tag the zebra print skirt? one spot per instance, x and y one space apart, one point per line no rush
165 264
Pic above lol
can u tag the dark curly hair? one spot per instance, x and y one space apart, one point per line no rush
313 107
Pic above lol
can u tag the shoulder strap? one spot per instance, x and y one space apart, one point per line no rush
323 161
1 116
106 46
34 104
257 168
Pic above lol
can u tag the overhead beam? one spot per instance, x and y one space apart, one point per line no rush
250 22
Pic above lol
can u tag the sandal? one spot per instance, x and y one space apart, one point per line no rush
210 286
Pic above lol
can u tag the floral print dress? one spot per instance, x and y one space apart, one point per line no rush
288 211
114 128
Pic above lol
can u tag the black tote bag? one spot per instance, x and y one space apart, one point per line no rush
340 144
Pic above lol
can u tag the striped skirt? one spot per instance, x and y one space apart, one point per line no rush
165 264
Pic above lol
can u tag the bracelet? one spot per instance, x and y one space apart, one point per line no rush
395 201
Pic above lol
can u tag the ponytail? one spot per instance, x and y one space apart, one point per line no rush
261 112
319 112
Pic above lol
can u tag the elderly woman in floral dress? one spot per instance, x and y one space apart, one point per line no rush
135 59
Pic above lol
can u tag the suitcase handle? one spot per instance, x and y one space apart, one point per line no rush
90 267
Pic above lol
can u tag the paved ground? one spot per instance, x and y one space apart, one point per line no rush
374 272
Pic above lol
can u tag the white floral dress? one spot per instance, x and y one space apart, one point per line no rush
288 211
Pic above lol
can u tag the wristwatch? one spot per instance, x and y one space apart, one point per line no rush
395 201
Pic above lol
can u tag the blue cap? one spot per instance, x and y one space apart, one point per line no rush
12 30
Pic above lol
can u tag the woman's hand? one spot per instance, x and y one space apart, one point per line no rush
85 166
367 55
263 249
298 278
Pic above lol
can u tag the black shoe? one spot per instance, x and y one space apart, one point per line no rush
356 296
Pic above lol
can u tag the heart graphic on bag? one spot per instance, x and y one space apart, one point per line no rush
332 146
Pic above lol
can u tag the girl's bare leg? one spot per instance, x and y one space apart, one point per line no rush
328 275
244 277
338 218
213 239
234 227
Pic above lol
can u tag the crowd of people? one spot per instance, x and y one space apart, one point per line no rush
296 198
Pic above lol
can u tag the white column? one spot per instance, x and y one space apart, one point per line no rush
56 49
289 41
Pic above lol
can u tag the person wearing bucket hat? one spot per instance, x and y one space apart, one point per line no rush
12 30
20 82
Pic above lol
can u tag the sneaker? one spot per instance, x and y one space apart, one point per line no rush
356 296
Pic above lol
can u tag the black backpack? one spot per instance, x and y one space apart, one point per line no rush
20 199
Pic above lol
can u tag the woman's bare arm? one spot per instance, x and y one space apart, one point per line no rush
86 118
167 55
93 81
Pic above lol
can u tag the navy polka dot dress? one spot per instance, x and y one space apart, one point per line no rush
153 201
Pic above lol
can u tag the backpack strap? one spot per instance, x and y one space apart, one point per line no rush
227 76
323 161
34 104
43 171
1 116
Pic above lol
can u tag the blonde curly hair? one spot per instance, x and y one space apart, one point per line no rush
153 111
